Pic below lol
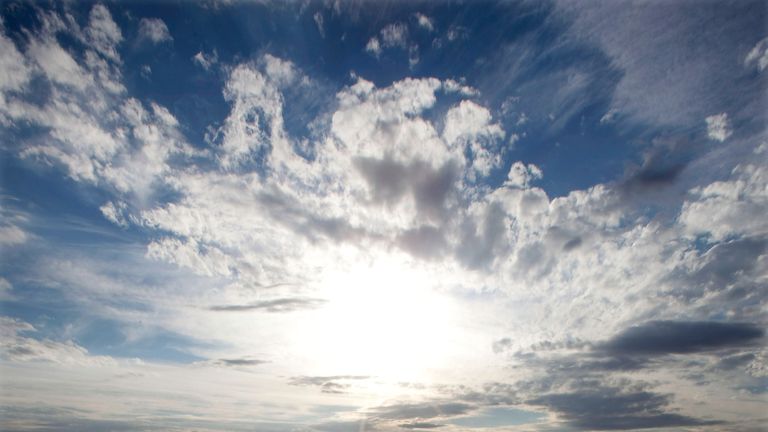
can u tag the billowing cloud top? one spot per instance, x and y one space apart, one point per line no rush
353 216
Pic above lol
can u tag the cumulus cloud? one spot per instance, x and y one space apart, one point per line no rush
264 204
425 22
205 60
718 127
726 208
91 125
154 30
373 46
521 175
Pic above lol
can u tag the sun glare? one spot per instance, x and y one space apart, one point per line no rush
384 319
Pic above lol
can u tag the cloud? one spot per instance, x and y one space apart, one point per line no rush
12 235
318 17
15 72
19 348
275 305
680 86
718 128
338 384
611 408
103 33
234 362
374 46
426 410
393 36
758 55
5 289
90 126
420 425
115 213
204 60
726 208
154 30
471 123
683 337
425 22
521 175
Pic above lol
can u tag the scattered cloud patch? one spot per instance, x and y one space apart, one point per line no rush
718 127
425 22
758 55
276 305
318 17
154 30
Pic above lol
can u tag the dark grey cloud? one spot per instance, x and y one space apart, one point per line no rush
387 178
420 425
424 242
425 410
663 162
390 181
611 408
724 264
235 362
682 337
275 305
479 246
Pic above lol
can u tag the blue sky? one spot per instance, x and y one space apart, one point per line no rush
347 216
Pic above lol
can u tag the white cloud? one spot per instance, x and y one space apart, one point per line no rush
204 60
208 261
115 213
758 55
58 65
394 35
728 208
470 123
103 33
18 348
255 122
12 235
425 22
5 289
718 127
609 117
154 30
318 17
521 175
373 46
469 120
93 130
14 71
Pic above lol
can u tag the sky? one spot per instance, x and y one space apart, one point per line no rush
349 216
